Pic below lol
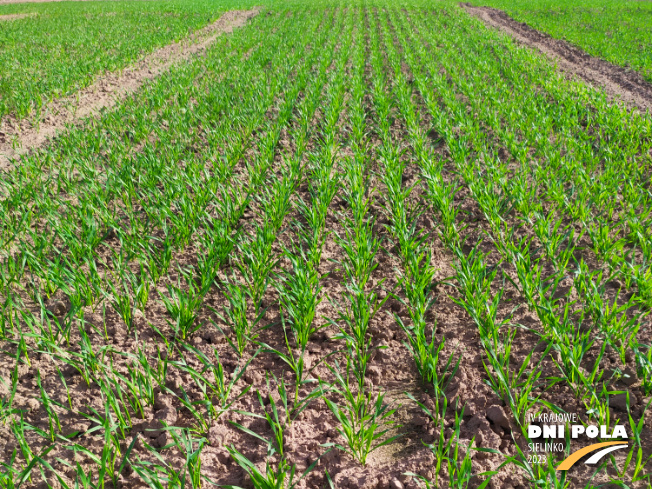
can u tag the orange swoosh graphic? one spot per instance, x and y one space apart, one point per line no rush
574 457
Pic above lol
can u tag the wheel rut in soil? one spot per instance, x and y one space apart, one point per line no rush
18 137
618 82
8 2
15 16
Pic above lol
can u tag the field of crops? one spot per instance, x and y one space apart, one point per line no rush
348 246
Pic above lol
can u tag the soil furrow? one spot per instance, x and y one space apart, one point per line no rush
618 82
19 137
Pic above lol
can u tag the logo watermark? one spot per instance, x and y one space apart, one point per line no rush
552 432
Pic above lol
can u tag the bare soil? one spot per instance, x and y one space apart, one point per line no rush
7 2
15 16
20 136
619 83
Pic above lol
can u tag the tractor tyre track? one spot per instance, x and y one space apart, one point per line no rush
619 83
18 137
9 2
8 17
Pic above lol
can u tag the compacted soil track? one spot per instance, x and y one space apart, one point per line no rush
617 81
19 136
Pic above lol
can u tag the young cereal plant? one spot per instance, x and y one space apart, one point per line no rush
353 321
214 382
364 418
49 406
441 447
455 455
122 302
417 281
641 277
140 381
257 262
235 316
110 460
6 401
541 474
636 453
474 278
643 357
322 189
441 196
280 477
141 285
299 292
14 477
278 417
160 474
183 306
552 236
514 387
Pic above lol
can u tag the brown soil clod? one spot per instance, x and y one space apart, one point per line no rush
20 136
618 83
